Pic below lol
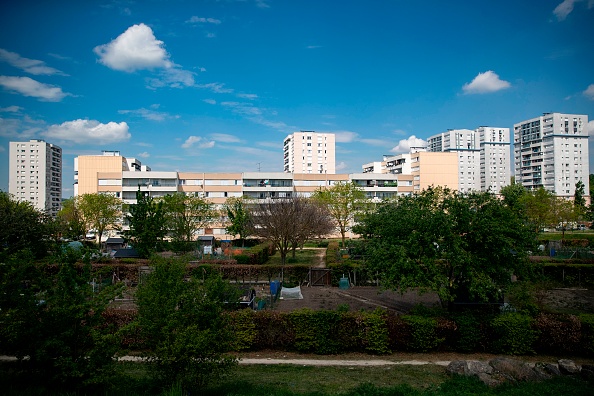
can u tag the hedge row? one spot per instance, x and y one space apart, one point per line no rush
378 332
258 254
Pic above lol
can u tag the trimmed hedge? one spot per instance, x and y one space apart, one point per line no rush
380 332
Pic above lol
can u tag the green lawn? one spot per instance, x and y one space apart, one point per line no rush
302 256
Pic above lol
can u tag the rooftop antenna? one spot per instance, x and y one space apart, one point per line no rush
258 166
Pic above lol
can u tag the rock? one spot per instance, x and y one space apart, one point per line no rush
546 370
491 380
514 369
568 367
468 367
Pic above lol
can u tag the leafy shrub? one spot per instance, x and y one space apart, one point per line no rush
315 331
242 259
332 253
423 333
513 334
587 342
242 324
375 336
470 332
292 260
273 330
559 334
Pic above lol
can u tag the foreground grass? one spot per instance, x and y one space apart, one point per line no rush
290 380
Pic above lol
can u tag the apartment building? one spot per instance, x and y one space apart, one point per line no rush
114 174
551 151
418 170
309 152
495 158
35 174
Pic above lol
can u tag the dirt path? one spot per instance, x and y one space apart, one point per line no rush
320 258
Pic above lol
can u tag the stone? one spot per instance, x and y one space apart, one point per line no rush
568 367
587 371
546 370
514 369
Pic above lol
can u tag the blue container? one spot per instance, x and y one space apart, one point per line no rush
343 284
274 287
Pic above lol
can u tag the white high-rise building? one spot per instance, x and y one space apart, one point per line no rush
35 174
483 156
309 152
551 151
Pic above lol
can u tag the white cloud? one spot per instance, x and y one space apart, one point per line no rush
144 155
138 49
210 35
215 87
313 46
135 49
89 132
345 136
405 145
28 87
243 108
151 115
225 138
564 9
10 109
32 66
247 96
210 101
195 19
262 4
590 128
2 149
192 140
589 92
341 166
484 83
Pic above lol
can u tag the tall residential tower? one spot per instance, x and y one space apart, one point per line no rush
35 174
309 152
551 151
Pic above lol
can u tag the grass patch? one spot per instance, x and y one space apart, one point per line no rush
302 256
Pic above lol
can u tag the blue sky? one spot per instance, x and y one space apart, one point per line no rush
215 86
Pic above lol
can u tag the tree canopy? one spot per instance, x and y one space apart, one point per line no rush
147 224
238 215
344 201
100 212
185 215
458 245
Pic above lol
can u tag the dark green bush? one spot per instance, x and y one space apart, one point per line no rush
470 333
423 333
513 334
242 324
559 334
587 342
274 330
315 331
242 259
332 253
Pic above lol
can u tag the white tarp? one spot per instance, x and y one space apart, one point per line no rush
291 293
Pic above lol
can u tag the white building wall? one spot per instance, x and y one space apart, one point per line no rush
309 152
35 174
495 151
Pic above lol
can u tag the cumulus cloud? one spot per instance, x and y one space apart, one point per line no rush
144 155
589 92
243 108
197 141
138 49
31 66
89 132
341 166
135 49
485 82
405 145
345 136
195 19
28 87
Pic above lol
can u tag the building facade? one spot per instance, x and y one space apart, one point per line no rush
418 170
35 174
309 152
551 151
114 174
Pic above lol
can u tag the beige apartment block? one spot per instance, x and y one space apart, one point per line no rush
309 152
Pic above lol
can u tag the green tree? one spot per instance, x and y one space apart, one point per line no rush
147 224
539 208
186 336
239 217
52 321
578 198
70 220
512 196
344 202
454 244
22 227
100 212
564 213
185 216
